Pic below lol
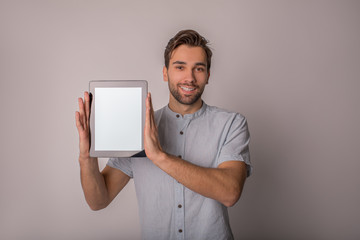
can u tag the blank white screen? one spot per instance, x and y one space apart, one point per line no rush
118 119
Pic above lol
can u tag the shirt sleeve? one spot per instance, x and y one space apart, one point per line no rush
123 164
236 143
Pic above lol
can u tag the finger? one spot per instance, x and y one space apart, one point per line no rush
78 123
152 118
81 107
150 101
151 112
81 110
148 111
87 105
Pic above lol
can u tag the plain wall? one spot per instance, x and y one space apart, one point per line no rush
291 67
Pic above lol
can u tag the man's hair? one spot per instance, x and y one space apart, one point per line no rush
187 37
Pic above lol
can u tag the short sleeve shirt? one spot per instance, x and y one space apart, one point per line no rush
169 210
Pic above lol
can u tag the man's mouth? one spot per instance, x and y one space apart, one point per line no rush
187 88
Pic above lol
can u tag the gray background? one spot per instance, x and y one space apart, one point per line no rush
291 67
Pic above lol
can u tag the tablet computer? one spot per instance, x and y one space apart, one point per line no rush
117 117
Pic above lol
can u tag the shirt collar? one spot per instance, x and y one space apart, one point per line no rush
191 116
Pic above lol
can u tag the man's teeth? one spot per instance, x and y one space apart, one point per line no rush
187 89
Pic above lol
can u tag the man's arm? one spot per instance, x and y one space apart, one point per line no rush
100 188
224 183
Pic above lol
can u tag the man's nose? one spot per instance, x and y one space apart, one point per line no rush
190 76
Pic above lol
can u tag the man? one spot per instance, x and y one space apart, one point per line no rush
197 156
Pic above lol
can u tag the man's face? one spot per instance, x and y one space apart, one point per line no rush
187 74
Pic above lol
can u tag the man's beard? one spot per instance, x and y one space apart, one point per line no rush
184 99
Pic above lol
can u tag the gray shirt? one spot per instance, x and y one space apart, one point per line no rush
169 210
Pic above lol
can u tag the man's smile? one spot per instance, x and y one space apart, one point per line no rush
187 89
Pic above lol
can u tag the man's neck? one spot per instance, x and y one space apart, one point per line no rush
183 109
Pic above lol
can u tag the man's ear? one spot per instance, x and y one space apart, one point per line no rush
208 76
165 74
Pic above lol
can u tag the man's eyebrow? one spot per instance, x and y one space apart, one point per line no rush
179 62
200 64
196 64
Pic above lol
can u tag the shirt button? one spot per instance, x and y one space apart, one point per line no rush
180 230
181 132
179 206
177 115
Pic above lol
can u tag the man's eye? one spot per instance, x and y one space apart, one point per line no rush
179 67
200 69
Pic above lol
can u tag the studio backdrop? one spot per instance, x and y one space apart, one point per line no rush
290 67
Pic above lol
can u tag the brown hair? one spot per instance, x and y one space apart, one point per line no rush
187 37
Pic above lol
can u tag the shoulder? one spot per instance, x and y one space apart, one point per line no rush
224 114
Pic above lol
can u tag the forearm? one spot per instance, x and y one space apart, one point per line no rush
93 183
221 184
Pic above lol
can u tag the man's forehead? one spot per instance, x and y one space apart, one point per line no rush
186 54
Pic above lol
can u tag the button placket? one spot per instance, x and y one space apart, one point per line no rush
183 129
179 211
179 207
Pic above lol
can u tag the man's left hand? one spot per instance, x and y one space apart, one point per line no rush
153 149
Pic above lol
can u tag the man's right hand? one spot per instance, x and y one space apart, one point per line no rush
82 123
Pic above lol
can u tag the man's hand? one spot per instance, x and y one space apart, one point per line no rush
153 149
82 123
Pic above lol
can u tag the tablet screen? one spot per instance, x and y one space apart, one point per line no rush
117 118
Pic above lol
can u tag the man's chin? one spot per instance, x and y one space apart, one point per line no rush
188 100
185 99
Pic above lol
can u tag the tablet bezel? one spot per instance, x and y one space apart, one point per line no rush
115 84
